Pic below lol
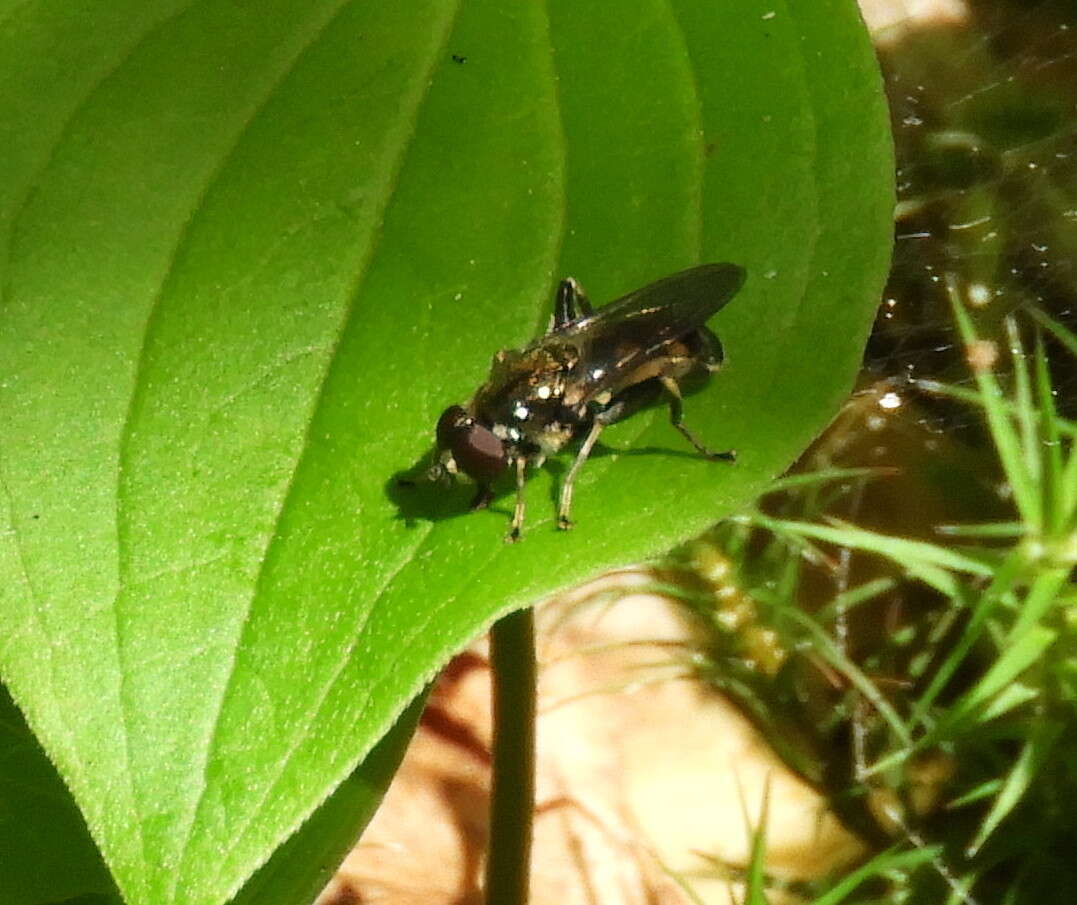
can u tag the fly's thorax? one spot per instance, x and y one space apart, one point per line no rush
539 422
538 372
523 401
553 435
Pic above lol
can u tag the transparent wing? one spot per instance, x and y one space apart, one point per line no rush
623 335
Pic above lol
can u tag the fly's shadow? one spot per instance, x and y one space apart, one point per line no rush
419 499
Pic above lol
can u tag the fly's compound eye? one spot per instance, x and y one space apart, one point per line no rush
477 452
452 421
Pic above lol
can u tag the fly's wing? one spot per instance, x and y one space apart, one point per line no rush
624 334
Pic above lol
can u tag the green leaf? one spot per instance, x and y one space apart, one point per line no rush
250 251
48 856
301 867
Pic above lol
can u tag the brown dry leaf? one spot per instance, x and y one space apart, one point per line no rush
641 775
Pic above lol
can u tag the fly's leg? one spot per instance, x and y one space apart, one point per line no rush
518 512
676 416
565 504
570 304
482 498
583 303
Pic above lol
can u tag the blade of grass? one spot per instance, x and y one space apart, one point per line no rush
1008 699
1051 448
1027 415
983 529
1016 657
928 562
949 390
832 654
973 397
853 597
977 793
1007 442
1059 332
892 860
1034 755
906 552
959 888
1068 491
776 552
1067 488
788 576
682 883
756 880
1045 589
1003 582
825 476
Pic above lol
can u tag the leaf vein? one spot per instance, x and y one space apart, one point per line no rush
392 183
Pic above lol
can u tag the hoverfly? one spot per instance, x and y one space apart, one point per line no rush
589 370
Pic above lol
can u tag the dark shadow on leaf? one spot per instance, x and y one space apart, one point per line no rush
417 498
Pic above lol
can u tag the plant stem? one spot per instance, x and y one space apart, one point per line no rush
512 799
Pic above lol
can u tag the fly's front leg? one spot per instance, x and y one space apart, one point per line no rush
518 512
676 416
570 304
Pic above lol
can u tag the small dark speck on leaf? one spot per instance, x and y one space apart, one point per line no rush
457 58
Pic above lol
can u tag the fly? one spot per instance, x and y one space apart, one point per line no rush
590 370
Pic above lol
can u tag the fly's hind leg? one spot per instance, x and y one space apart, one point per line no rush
570 304
676 416
564 506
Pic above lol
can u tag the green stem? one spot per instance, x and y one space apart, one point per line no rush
512 799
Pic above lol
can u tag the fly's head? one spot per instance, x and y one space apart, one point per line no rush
465 445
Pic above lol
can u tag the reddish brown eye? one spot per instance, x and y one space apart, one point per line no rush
478 453
452 421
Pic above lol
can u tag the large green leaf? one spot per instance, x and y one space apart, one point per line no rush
46 854
249 252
